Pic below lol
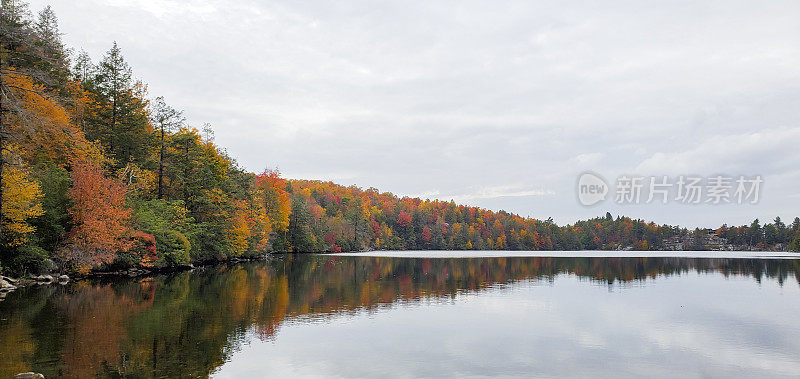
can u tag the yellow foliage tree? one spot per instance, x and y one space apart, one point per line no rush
21 202
271 196
43 128
239 233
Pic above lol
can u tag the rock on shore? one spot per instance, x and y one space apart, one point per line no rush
29 375
7 285
43 278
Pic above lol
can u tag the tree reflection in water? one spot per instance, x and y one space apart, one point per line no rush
188 323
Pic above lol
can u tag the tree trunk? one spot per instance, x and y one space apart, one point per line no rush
186 177
2 145
2 165
113 122
161 166
355 234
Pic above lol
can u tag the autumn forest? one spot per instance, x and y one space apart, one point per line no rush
99 174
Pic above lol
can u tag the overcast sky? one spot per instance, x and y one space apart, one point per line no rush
495 104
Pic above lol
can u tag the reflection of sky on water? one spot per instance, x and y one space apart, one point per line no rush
313 315
569 254
689 325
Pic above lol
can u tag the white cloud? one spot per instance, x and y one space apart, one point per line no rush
764 152
462 95
487 193
588 158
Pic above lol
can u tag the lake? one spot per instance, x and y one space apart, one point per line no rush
598 314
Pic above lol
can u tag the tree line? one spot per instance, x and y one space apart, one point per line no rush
97 174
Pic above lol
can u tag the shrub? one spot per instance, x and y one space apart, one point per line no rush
29 259
174 248
168 223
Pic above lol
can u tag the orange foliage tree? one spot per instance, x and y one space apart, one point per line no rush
102 221
42 127
271 195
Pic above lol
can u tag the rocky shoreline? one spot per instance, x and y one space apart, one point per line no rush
9 284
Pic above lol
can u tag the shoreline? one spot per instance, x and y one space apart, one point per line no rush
61 277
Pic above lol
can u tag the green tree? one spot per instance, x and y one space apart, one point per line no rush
166 119
755 233
770 234
83 69
55 61
355 215
51 227
300 236
184 155
119 119
169 222
795 245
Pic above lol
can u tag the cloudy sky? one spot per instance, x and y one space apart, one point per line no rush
495 104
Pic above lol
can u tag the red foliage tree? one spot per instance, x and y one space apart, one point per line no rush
330 239
102 221
143 248
404 219
426 235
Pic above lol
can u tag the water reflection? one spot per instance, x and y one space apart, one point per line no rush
191 323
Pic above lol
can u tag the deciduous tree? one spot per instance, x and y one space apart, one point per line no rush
22 202
101 218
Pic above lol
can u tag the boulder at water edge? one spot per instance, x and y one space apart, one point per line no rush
29 375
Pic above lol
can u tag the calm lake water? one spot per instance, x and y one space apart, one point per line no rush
407 314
